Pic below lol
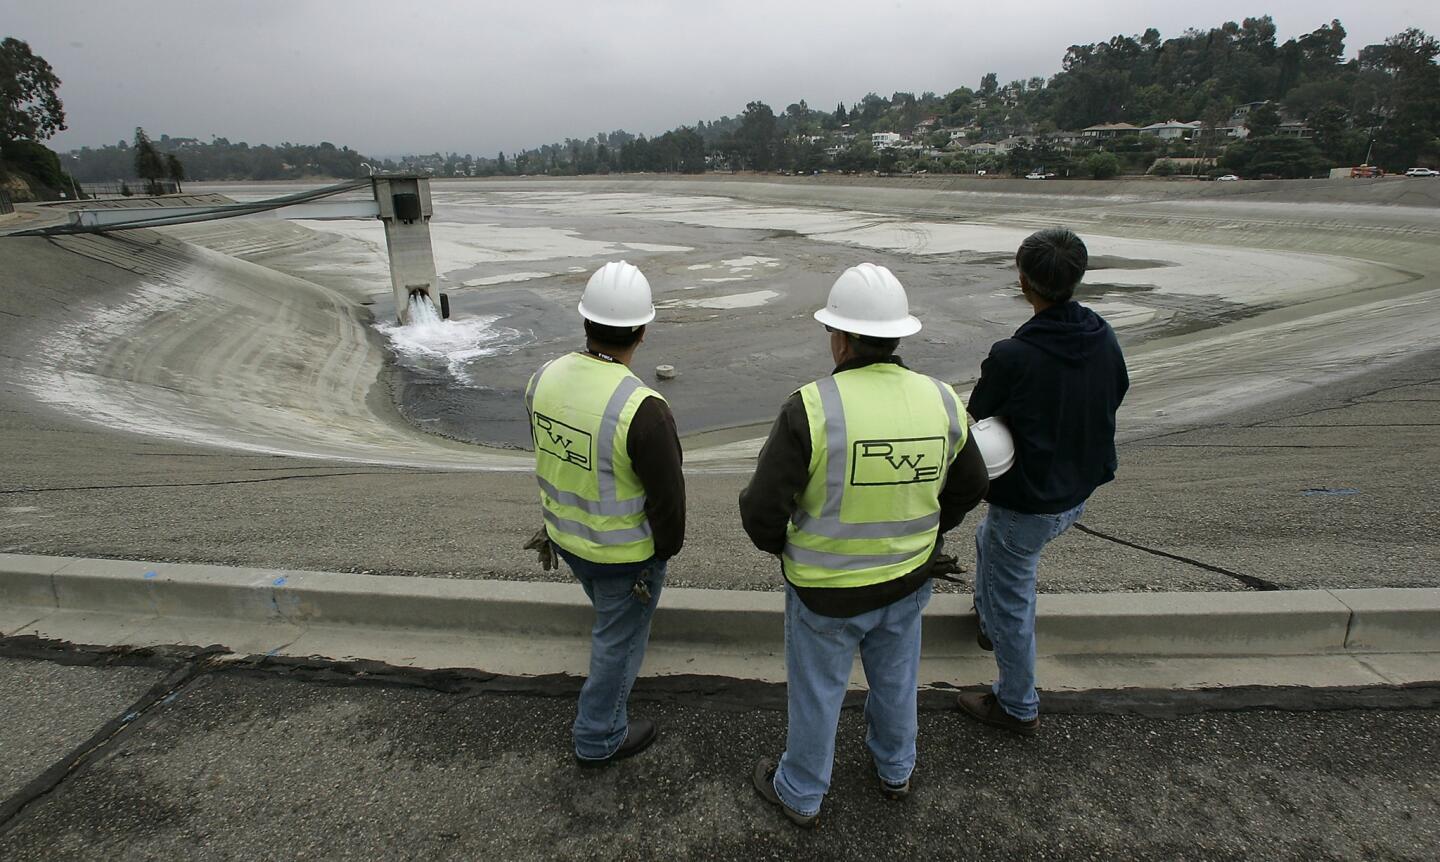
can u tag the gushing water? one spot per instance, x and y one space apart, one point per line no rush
423 312
429 341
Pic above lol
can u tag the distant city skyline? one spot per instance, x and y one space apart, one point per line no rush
475 78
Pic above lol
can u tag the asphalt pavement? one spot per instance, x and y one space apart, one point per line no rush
219 763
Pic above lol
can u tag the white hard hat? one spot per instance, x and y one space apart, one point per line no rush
869 300
617 295
996 445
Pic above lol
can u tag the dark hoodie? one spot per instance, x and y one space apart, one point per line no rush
1057 384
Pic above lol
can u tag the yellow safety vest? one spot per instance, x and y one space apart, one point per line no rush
580 409
882 439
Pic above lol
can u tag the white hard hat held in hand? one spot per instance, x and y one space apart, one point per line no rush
869 300
996 445
618 294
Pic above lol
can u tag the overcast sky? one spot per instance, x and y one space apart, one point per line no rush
477 77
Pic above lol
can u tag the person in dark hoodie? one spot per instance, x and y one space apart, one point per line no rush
1056 383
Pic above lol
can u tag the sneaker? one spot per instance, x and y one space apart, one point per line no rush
981 639
642 732
895 791
985 708
764 779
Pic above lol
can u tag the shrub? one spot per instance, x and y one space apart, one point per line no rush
1102 165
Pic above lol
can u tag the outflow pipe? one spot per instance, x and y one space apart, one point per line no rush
220 211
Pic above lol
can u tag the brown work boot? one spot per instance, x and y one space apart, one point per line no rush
983 707
764 780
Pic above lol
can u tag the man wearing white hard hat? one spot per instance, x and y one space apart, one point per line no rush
863 472
607 458
1056 385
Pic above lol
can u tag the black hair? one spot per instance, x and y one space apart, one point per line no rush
1053 261
870 347
613 336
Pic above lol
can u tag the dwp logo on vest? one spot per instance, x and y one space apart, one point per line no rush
566 442
897 462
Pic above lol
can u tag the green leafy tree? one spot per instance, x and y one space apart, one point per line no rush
149 164
756 136
1163 168
1275 156
1102 165
30 110
1410 100
1264 121
174 169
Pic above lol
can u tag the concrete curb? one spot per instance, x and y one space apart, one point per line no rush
1216 625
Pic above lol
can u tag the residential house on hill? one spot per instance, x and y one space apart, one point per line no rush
1295 129
884 140
984 148
1106 131
1172 130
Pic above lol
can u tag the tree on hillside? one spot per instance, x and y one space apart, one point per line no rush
29 108
1409 101
989 84
1102 165
1263 121
1274 156
756 137
174 169
149 165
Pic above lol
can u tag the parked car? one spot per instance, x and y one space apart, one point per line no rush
1227 178
1366 172
1033 175
1422 172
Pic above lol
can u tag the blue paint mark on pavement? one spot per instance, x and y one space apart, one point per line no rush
280 581
149 575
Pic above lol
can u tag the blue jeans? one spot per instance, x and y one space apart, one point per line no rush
819 653
1007 553
617 647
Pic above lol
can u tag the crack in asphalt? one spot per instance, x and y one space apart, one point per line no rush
1359 425
1255 445
1251 581
217 483
712 692
47 782
1358 400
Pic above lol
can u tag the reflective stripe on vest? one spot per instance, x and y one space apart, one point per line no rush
580 409
827 550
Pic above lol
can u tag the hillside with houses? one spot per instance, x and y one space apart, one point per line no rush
1229 100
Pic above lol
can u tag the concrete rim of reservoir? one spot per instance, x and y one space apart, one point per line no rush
1375 637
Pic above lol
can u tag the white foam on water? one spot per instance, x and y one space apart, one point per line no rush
750 261
427 339
752 299
503 279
